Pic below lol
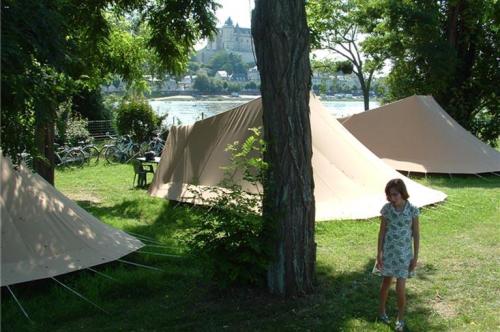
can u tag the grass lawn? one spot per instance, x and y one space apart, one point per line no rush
457 287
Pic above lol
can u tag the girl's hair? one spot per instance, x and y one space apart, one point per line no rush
397 184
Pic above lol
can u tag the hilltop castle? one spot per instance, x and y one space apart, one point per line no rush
232 39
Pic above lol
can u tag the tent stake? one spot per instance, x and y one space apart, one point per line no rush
79 295
101 274
19 304
140 265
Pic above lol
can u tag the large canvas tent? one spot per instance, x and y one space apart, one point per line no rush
415 134
349 179
45 234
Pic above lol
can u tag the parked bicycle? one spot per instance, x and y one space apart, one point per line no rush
68 156
156 144
26 159
121 151
90 151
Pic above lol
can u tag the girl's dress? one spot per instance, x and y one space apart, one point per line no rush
398 249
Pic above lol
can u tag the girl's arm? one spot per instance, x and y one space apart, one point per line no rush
381 237
416 242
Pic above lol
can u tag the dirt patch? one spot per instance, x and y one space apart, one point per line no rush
442 308
84 197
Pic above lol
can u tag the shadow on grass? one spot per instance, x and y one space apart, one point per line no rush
183 298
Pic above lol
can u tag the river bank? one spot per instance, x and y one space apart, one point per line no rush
242 97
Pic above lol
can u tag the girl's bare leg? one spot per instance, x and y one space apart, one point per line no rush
384 293
401 293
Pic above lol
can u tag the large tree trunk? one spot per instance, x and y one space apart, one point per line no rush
44 141
281 37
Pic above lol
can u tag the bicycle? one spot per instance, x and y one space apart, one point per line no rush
156 144
90 151
122 151
67 156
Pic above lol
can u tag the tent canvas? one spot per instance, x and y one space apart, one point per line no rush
45 234
415 134
349 179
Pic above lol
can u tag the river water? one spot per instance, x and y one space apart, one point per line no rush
189 111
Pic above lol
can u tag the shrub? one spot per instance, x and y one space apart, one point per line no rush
232 238
76 130
137 118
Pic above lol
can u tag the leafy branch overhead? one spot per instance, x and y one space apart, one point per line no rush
54 49
341 27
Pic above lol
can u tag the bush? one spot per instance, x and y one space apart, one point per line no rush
137 118
76 130
232 238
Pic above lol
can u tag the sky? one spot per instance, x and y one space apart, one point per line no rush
238 10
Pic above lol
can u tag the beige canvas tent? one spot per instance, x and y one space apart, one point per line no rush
45 234
416 134
349 179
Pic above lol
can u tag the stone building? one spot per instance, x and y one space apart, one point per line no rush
232 39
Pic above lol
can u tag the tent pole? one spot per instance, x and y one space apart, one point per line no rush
19 304
79 295
140 265
101 274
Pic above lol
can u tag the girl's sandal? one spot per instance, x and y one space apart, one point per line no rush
400 326
384 319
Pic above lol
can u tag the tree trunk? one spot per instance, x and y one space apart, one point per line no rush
366 98
44 141
366 91
281 37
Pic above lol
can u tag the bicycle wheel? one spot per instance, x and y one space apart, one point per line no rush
73 158
91 154
144 147
113 155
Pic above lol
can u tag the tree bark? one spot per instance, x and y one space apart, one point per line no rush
366 91
44 141
281 38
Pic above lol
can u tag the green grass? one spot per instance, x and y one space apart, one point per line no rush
456 288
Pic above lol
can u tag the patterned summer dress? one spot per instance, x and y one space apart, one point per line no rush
398 249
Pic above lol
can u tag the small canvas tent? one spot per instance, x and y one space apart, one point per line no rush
45 234
349 179
415 134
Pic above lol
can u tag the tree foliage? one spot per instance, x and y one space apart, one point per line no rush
339 26
448 49
137 118
52 48
230 62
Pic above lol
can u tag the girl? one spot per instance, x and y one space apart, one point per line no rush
399 223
